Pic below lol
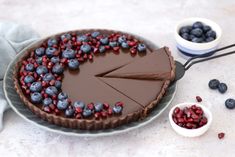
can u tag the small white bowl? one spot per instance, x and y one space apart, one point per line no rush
192 48
191 132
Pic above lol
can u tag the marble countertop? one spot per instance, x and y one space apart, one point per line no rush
154 20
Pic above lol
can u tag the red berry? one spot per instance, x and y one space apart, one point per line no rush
47 109
106 106
199 99
90 106
78 110
221 135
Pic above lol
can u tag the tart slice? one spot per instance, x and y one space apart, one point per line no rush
155 66
142 92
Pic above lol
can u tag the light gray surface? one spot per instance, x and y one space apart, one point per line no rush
154 20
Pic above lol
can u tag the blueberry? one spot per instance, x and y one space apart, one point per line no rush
73 64
36 87
117 109
185 29
48 77
191 37
85 48
82 38
41 70
124 45
197 25
197 40
68 53
185 36
230 103
51 42
197 32
55 59
104 40
28 79
47 101
209 39
222 87
62 104
141 47
51 91
113 44
29 67
206 28
36 97
102 49
57 69
69 112
95 34
62 96
98 107
213 84
66 36
39 60
40 51
87 112
50 51
211 33
58 84
79 104
121 39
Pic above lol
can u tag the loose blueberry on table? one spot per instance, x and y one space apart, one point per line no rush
41 74
198 33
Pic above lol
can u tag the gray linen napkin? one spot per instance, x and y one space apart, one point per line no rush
13 38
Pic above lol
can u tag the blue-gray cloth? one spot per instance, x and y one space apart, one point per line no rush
13 38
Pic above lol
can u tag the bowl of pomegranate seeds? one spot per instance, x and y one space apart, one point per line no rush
190 119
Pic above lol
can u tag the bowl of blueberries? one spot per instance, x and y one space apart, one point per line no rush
197 36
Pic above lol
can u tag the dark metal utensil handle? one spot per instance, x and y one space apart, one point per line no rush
209 58
204 55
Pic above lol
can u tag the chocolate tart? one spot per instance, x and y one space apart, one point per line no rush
136 80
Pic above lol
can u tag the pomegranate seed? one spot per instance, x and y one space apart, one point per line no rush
79 43
52 106
180 120
85 56
110 111
133 51
52 82
176 110
90 106
116 49
221 135
57 112
104 114
45 95
106 106
47 109
95 50
27 91
199 99
97 115
131 43
90 57
78 110
79 116
54 97
119 104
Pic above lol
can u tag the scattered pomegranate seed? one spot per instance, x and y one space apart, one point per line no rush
221 135
199 99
